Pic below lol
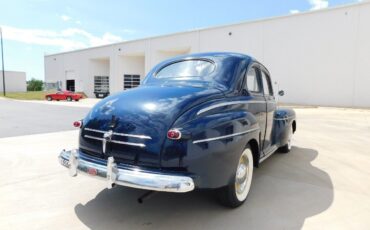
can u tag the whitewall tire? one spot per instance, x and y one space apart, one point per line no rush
244 174
237 192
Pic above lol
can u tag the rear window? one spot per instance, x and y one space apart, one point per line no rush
187 69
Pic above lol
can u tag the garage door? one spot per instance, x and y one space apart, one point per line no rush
131 81
101 84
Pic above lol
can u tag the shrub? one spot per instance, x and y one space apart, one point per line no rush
35 85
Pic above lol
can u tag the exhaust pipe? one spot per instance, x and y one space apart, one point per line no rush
146 196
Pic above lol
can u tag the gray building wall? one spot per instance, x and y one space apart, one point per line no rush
318 57
14 81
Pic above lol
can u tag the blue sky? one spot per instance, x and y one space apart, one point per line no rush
36 27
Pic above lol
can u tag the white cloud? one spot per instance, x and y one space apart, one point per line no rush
294 11
67 39
65 18
318 4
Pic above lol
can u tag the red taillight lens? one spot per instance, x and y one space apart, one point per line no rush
77 124
174 134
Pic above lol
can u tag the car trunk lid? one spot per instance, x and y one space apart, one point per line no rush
132 126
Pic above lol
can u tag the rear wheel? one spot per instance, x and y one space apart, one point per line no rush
76 99
69 99
49 98
236 192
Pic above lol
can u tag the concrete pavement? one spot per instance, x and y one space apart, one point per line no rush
322 183
24 117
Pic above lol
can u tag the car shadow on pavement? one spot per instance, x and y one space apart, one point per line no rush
286 190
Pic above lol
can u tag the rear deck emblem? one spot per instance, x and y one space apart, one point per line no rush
107 137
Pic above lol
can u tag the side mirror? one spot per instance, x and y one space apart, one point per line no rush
281 93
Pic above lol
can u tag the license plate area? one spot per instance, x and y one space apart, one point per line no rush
92 171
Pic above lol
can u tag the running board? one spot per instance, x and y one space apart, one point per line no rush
269 153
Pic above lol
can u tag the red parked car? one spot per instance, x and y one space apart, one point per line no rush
63 95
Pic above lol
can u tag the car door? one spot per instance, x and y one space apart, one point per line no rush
257 101
59 96
67 94
270 109
64 95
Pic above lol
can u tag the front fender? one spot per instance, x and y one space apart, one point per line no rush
211 146
284 123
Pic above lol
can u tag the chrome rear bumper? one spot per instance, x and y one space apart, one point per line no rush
125 177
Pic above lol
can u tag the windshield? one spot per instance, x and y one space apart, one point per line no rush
187 69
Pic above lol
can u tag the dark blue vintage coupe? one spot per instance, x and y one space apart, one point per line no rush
201 121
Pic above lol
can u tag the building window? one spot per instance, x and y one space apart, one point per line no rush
130 81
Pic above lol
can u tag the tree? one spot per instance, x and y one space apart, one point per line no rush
35 85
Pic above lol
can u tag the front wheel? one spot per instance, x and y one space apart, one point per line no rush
288 146
236 192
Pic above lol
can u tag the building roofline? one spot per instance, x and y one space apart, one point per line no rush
13 71
355 4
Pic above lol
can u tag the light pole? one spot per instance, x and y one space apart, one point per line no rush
2 59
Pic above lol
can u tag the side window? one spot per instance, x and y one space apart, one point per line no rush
267 89
252 81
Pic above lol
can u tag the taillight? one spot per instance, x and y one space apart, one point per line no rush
77 124
174 134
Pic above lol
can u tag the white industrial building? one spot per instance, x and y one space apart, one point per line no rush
318 57
14 81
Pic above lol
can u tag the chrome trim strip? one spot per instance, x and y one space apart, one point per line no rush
117 142
231 103
128 143
94 130
132 135
226 136
120 134
149 180
94 138
283 119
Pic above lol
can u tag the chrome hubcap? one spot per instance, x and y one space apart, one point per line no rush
243 175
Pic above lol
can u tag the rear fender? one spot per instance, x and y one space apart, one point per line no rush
202 152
